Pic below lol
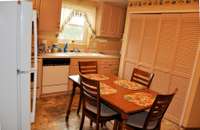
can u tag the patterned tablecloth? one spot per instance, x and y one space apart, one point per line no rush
129 84
98 77
140 98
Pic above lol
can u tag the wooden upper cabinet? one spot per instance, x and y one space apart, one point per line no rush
36 4
110 20
49 15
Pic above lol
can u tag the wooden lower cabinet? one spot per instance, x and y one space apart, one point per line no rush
105 66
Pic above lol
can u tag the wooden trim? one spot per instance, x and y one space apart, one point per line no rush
124 46
139 7
191 91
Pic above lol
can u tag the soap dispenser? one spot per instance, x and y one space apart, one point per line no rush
65 47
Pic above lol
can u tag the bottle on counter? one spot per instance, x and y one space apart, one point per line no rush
65 47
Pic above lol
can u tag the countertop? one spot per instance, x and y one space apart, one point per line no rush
77 55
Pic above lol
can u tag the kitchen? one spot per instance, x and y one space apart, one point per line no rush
159 36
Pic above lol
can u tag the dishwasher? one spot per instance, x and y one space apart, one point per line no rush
55 75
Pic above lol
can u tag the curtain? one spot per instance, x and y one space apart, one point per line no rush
77 13
87 10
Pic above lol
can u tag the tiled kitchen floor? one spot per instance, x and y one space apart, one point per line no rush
50 115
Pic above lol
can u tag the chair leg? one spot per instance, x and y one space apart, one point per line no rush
97 125
91 122
103 124
158 127
115 126
82 121
79 104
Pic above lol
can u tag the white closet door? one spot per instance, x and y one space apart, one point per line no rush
166 44
184 57
187 44
167 41
165 52
149 39
135 32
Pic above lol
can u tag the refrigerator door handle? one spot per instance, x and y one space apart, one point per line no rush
34 69
22 71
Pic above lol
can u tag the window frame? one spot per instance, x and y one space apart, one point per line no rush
85 32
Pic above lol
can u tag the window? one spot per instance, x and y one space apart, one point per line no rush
73 26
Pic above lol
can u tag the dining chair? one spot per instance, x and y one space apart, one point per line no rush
150 120
142 77
86 67
92 106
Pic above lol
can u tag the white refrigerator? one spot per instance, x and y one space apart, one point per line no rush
17 26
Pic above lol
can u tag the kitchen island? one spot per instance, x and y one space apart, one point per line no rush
52 79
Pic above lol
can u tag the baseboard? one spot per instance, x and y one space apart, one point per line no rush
191 128
59 93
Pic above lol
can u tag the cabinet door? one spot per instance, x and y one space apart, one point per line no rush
106 13
49 19
116 24
36 4
110 20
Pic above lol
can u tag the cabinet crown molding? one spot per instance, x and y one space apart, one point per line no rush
162 6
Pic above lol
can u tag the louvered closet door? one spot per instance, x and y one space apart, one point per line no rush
166 44
149 40
135 32
166 49
184 58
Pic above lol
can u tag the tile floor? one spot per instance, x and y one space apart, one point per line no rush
50 115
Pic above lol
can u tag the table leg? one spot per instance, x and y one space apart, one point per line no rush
122 122
70 102
79 104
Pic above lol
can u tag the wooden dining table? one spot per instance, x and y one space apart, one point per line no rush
116 101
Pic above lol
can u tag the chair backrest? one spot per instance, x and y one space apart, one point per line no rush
91 92
142 77
158 109
87 67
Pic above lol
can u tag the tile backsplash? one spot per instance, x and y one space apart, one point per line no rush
107 46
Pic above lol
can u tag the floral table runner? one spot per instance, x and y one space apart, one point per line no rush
129 84
140 98
98 77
